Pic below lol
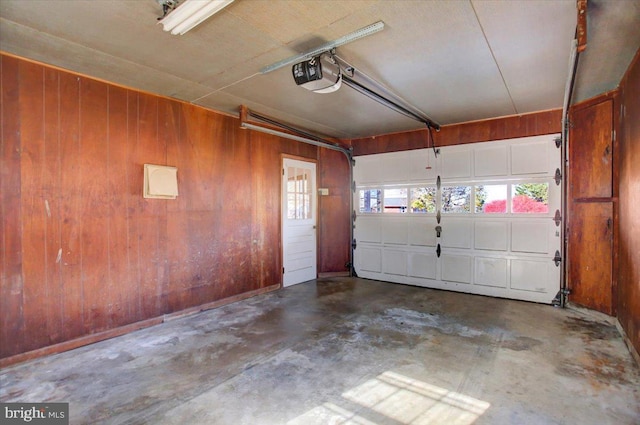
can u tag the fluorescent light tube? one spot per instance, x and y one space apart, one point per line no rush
191 13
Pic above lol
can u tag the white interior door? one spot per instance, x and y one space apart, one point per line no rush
299 249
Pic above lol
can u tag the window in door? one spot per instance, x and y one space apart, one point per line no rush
298 193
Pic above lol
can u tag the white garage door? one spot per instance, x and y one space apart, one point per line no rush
479 218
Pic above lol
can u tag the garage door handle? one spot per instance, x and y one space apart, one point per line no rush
438 250
438 231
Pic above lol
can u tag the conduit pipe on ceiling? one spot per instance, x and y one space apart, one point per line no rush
308 138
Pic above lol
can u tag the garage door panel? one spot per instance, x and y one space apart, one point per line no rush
367 170
369 259
394 262
395 232
418 161
491 235
528 236
492 161
505 250
422 232
422 265
456 268
530 158
456 164
394 168
490 272
369 229
534 275
456 233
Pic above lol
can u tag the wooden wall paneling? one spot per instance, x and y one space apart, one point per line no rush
590 257
80 145
237 227
334 219
206 239
152 216
591 153
167 136
70 177
94 204
615 193
135 205
205 197
628 300
120 282
266 261
177 217
534 124
33 203
219 241
52 197
590 184
12 331
179 224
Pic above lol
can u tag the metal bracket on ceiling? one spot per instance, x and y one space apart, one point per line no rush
355 35
167 6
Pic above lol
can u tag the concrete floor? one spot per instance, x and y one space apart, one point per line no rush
349 351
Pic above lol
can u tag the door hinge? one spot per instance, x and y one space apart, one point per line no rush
558 141
283 270
354 244
558 177
283 171
557 218
557 259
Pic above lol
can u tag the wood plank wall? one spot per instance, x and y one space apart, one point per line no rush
335 216
592 204
628 289
83 252
545 122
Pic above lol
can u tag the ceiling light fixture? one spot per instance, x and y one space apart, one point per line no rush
191 13
362 32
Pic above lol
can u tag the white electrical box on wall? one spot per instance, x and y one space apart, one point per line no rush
160 182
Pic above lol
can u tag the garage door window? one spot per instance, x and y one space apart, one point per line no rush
491 199
395 200
456 199
370 200
423 200
530 198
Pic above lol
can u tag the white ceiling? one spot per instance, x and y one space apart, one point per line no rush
454 60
